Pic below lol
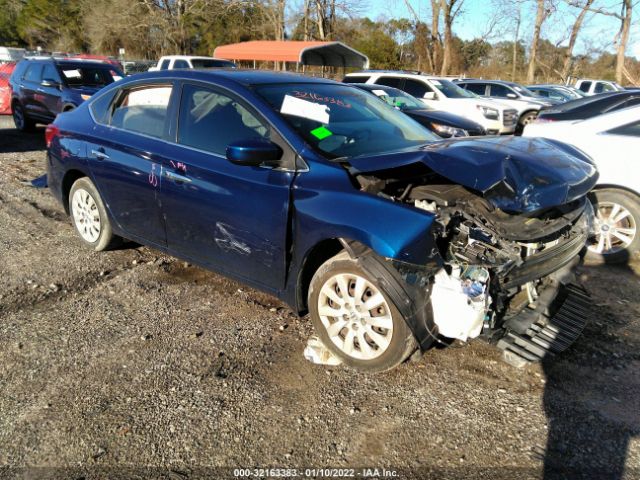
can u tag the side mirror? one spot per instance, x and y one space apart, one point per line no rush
47 82
430 96
253 152
512 95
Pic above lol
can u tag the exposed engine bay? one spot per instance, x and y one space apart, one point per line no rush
500 270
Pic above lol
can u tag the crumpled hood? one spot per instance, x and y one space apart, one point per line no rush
515 174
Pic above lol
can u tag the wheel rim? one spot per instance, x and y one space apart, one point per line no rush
528 119
615 229
356 316
86 215
18 117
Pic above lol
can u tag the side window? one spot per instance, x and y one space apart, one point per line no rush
50 73
499 91
477 88
585 86
181 64
630 130
356 79
389 81
100 107
542 93
33 73
416 88
165 64
143 110
603 87
210 120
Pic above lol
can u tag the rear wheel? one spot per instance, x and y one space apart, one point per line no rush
526 119
20 118
89 217
616 238
355 318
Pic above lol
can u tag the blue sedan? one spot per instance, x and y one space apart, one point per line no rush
340 205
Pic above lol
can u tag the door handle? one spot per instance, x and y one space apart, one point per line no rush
176 177
100 155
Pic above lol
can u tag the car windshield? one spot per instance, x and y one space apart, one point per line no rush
343 121
451 90
211 63
399 99
522 90
89 76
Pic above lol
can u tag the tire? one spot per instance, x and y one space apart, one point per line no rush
616 238
89 217
388 343
526 118
20 118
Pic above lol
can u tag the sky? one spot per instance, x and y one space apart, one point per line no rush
598 30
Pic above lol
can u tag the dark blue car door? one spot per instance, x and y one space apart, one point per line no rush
229 217
126 158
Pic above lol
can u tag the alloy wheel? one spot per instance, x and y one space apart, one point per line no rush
615 229
356 316
86 215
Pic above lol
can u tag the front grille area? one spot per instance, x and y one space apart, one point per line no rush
510 118
545 262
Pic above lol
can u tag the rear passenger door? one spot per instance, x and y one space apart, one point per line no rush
126 157
477 88
29 84
232 218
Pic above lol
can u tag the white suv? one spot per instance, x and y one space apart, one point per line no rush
442 94
171 62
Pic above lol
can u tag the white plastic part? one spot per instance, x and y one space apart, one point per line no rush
455 313
316 352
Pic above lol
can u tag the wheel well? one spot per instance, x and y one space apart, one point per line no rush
67 182
319 254
618 187
524 114
68 108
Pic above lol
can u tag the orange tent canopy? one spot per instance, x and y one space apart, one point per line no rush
330 54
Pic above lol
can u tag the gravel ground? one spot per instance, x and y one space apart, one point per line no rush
132 364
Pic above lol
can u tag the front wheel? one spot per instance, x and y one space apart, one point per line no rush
355 318
89 217
615 238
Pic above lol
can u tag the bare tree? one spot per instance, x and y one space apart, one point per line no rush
623 37
516 38
450 10
542 13
575 30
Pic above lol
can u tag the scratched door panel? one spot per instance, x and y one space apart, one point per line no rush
227 217
127 170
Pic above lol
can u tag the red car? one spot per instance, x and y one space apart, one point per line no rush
102 58
6 69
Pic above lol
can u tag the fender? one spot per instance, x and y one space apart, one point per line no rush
407 285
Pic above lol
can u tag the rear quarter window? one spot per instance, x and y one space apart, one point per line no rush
629 130
101 107
33 73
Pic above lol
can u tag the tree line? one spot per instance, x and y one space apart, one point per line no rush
514 46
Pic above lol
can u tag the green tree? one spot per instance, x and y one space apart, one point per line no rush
52 24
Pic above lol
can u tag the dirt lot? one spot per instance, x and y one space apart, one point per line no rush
133 364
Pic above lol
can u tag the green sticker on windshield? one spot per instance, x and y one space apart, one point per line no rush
321 133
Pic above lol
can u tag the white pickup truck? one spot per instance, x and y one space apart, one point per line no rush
172 62
593 87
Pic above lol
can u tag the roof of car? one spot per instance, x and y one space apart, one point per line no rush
244 77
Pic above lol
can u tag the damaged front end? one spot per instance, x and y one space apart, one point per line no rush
507 249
